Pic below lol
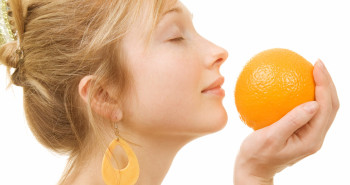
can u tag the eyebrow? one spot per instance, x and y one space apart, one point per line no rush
176 9
173 10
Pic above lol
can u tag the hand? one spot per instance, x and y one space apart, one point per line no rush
297 135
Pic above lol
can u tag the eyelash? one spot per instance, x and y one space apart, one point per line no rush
177 39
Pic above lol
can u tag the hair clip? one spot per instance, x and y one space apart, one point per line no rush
6 34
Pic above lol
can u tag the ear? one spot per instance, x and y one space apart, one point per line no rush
101 102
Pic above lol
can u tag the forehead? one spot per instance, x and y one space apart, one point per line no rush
171 7
151 13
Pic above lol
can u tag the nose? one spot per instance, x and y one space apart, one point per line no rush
216 56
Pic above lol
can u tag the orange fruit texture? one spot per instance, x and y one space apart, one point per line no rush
271 84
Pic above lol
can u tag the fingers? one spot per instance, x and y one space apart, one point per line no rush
326 96
335 100
334 97
294 120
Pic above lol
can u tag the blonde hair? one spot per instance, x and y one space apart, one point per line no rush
63 41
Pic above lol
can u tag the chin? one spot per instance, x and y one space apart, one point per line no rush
215 122
221 122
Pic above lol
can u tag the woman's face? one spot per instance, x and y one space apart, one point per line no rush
169 75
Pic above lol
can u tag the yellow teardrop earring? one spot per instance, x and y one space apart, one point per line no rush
126 176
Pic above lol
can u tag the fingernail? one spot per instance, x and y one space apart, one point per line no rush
321 65
311 107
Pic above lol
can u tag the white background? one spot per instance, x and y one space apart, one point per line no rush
314 29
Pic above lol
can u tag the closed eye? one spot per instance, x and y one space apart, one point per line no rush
177 39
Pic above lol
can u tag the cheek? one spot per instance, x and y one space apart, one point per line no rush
167 97
167 90
171 83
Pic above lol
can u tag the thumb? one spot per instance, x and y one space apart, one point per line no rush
294 119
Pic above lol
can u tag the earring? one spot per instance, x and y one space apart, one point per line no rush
126 176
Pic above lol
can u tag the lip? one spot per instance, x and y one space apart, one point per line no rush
215 87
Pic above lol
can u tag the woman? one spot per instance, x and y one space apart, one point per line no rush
96 73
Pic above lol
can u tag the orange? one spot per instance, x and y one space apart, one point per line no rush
271 84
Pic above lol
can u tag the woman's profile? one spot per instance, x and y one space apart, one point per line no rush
120 86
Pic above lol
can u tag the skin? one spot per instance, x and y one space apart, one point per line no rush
169 75
297 135
165 108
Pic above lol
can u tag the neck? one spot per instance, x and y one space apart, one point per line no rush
154 154
155 157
